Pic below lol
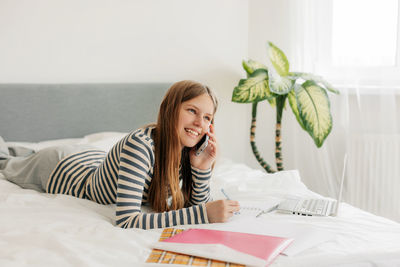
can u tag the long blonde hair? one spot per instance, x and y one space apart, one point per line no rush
168 154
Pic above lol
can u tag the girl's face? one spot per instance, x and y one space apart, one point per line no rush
195 117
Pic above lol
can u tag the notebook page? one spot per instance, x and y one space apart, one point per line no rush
253 207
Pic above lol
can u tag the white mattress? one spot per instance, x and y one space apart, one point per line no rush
58 230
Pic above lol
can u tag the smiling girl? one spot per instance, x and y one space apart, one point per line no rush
153 165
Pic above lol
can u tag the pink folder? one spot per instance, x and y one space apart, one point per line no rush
261 246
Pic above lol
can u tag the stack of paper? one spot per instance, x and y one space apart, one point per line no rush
241 248
168 257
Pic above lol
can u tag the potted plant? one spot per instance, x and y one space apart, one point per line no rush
307 95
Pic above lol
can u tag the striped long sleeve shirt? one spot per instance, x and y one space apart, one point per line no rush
123 176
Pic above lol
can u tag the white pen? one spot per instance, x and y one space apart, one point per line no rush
267 211
228 198
225 194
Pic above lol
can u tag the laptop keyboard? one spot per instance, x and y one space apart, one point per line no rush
320 207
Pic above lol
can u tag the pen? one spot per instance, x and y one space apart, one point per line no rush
267 211
228 198
225 194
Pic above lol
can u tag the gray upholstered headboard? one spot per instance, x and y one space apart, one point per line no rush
37 112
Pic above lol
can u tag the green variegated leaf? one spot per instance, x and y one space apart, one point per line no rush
293 105
280 85
328 86
278 59
251 65
314 110
316 78
253 89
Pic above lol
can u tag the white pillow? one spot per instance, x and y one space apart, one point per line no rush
102 140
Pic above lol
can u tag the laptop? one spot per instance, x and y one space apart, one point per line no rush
314 207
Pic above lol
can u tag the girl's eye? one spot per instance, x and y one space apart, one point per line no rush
192 110
207 118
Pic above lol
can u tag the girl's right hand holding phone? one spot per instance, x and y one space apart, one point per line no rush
221 210
208 156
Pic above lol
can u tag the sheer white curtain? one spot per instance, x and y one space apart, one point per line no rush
366 122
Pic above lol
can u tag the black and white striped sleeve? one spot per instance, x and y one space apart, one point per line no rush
136 159
200 186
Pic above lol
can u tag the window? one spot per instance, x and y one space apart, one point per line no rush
364 33
358 40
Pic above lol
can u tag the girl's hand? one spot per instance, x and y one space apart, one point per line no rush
221 210
208 156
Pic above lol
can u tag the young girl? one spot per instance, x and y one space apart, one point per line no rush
155 164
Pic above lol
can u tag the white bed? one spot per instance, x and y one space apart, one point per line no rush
57 230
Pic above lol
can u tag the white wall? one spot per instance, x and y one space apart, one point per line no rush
78 41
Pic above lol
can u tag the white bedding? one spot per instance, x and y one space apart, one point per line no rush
58 230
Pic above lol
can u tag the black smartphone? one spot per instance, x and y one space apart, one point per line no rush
200 146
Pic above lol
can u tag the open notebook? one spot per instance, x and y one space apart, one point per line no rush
256 208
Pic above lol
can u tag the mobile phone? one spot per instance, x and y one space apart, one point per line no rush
202 144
